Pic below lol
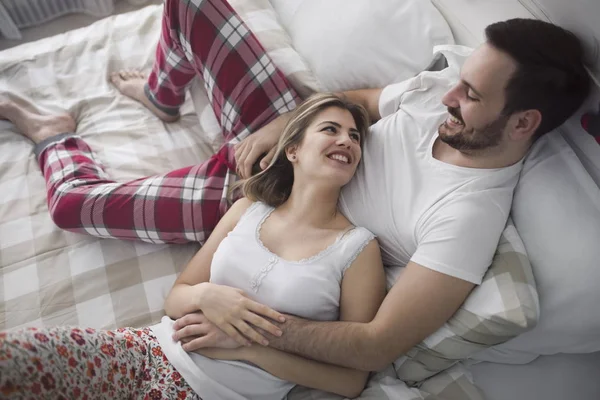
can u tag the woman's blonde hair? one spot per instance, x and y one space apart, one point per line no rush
273 185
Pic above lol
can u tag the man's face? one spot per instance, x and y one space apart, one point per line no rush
476 102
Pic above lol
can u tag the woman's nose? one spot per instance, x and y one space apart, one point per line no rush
344 139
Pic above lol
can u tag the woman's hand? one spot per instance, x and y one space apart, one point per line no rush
195 332
237 315
261 143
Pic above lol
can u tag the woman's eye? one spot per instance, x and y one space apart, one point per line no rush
355 137
330 129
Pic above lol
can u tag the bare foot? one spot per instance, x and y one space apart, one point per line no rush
34 125
131 84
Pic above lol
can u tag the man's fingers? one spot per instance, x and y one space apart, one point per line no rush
251 333
266 160
235 335
261 309
190 330
189 319
188 339
198 343
262 324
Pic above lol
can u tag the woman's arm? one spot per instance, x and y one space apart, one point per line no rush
363 290
228 308
184 295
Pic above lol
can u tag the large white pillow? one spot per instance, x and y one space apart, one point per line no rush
286 9
364 43
556 210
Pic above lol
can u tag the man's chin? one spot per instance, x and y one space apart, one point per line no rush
445 130
446 134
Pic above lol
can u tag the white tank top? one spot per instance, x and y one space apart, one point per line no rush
308 288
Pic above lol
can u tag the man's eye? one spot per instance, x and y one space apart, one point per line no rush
471 97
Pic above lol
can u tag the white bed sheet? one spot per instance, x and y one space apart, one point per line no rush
557 377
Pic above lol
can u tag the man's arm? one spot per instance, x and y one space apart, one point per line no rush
368 98
420 302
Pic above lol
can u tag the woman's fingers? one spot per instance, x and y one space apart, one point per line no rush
251 333
258 308
235 335
262 324
240 148
241 160
248 161
264 163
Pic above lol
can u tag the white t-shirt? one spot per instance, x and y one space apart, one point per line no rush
442 216
309 288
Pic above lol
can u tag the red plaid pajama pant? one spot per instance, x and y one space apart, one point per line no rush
246 90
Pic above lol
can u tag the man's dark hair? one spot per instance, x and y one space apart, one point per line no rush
550 75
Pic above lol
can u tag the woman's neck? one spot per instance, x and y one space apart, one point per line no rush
311 205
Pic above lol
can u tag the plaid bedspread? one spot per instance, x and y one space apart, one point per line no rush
51 277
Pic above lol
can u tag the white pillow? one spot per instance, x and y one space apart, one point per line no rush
556 210
286 9
364 43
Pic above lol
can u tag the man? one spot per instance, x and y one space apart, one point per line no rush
435 185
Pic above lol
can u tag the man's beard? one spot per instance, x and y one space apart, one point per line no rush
475 139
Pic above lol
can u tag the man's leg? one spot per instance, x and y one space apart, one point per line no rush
246 91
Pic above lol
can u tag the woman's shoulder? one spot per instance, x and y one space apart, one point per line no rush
244 207
347 227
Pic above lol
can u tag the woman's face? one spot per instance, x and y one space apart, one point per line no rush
330 150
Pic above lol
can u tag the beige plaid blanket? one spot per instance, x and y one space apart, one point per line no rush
50 277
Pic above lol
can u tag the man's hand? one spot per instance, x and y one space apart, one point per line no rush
195 332
262 142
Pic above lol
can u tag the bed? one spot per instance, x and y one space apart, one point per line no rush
51 277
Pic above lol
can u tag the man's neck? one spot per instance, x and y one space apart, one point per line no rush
482 159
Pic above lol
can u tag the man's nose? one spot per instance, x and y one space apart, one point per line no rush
451 98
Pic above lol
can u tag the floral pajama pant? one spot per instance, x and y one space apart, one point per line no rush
76 363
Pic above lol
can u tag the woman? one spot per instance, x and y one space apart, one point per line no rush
285 244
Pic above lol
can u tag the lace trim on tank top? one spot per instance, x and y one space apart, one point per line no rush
274 258
306 260
358 250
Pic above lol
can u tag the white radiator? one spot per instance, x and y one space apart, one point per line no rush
15 14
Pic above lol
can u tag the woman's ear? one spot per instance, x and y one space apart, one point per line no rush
526 124
290 152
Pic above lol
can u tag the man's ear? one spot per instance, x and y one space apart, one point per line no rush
525 124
